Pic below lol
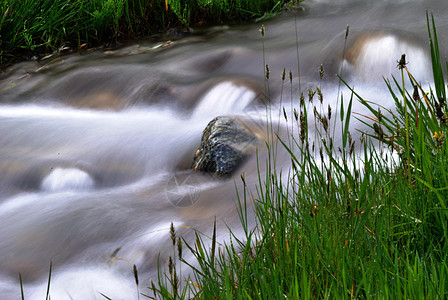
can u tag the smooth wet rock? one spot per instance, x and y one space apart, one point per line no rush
100 101
226 143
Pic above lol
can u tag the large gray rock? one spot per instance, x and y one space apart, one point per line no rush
226 143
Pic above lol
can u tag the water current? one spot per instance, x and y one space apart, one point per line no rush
96 147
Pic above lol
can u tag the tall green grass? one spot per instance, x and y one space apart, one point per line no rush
365 219
33 27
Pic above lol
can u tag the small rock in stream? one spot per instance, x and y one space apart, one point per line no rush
226 143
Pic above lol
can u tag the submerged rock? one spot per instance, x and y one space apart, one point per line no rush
226 143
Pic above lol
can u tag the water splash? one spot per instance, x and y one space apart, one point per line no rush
224 98
84 284
376 56
63 179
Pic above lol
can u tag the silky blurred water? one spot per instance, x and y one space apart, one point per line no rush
96 148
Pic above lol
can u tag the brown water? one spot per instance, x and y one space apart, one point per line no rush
96 147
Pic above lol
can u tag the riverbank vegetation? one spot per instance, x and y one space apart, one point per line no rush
33 27
363 219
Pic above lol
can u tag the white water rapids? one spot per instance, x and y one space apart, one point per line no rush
96 148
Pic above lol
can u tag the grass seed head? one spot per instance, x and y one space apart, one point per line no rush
316 113
402 62
179 247
175 284
379 131
320 95
352 148
324 122
135 275
173 233
416 95
170 266
321 71
311 94
303 127
379 115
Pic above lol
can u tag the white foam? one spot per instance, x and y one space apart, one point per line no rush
38 111
224 98
378 57
85 284
63 179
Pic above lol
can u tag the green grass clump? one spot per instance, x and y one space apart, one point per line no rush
365 219
31 27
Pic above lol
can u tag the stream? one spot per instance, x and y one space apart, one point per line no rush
96 147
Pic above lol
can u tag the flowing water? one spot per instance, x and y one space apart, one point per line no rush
96 148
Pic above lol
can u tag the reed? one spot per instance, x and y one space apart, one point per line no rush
358 220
